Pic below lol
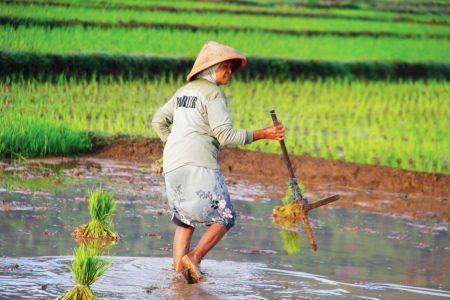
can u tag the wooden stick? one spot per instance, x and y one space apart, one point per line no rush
303 214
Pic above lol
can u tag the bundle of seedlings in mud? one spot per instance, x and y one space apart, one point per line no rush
101 206
291 208
87 268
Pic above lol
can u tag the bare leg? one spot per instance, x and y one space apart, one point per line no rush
209 239
181 245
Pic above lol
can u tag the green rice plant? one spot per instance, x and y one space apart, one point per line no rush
292 241
29 135
401 123
86 268
264 6
166 41
304 20
101 207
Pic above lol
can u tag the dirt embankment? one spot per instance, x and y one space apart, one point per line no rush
420 194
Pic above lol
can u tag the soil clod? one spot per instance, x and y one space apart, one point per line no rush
10 267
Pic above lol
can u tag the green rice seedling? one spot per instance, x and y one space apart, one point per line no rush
101 206
216 19
390 123
282 7
24 136
291 241
168 41
86 268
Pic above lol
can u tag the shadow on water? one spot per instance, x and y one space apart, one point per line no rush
360 254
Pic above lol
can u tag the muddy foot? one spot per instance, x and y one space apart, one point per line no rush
187 276
192 268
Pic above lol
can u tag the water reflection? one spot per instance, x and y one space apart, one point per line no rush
96 246
291 241
87 268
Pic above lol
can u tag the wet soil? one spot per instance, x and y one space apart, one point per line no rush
418 194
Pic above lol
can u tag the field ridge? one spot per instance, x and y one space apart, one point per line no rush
31 63
269 165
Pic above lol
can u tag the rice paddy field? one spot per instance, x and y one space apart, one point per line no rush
218 20
357 121
396 122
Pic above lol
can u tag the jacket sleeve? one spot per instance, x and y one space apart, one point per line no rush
163 119
222 127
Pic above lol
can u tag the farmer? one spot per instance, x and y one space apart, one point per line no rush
196 189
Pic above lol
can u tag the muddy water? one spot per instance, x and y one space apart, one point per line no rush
360 254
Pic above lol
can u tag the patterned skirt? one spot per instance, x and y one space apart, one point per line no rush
199 197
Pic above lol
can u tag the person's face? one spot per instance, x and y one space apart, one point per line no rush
223 72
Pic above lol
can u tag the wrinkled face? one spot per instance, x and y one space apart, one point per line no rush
223 72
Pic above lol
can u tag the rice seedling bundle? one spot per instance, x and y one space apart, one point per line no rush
86 268
101 207
216 19
290 209
399 124
183 42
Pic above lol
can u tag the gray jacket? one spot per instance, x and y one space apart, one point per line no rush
201 123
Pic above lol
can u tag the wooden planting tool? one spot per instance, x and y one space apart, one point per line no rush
302 203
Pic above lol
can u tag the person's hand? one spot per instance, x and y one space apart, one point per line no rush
275 132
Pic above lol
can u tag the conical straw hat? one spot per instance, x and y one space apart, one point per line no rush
213 53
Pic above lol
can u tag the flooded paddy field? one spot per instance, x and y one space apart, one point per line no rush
361 254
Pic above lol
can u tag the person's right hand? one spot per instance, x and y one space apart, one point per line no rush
275 132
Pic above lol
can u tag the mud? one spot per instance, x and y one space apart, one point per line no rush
407 193
10 267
